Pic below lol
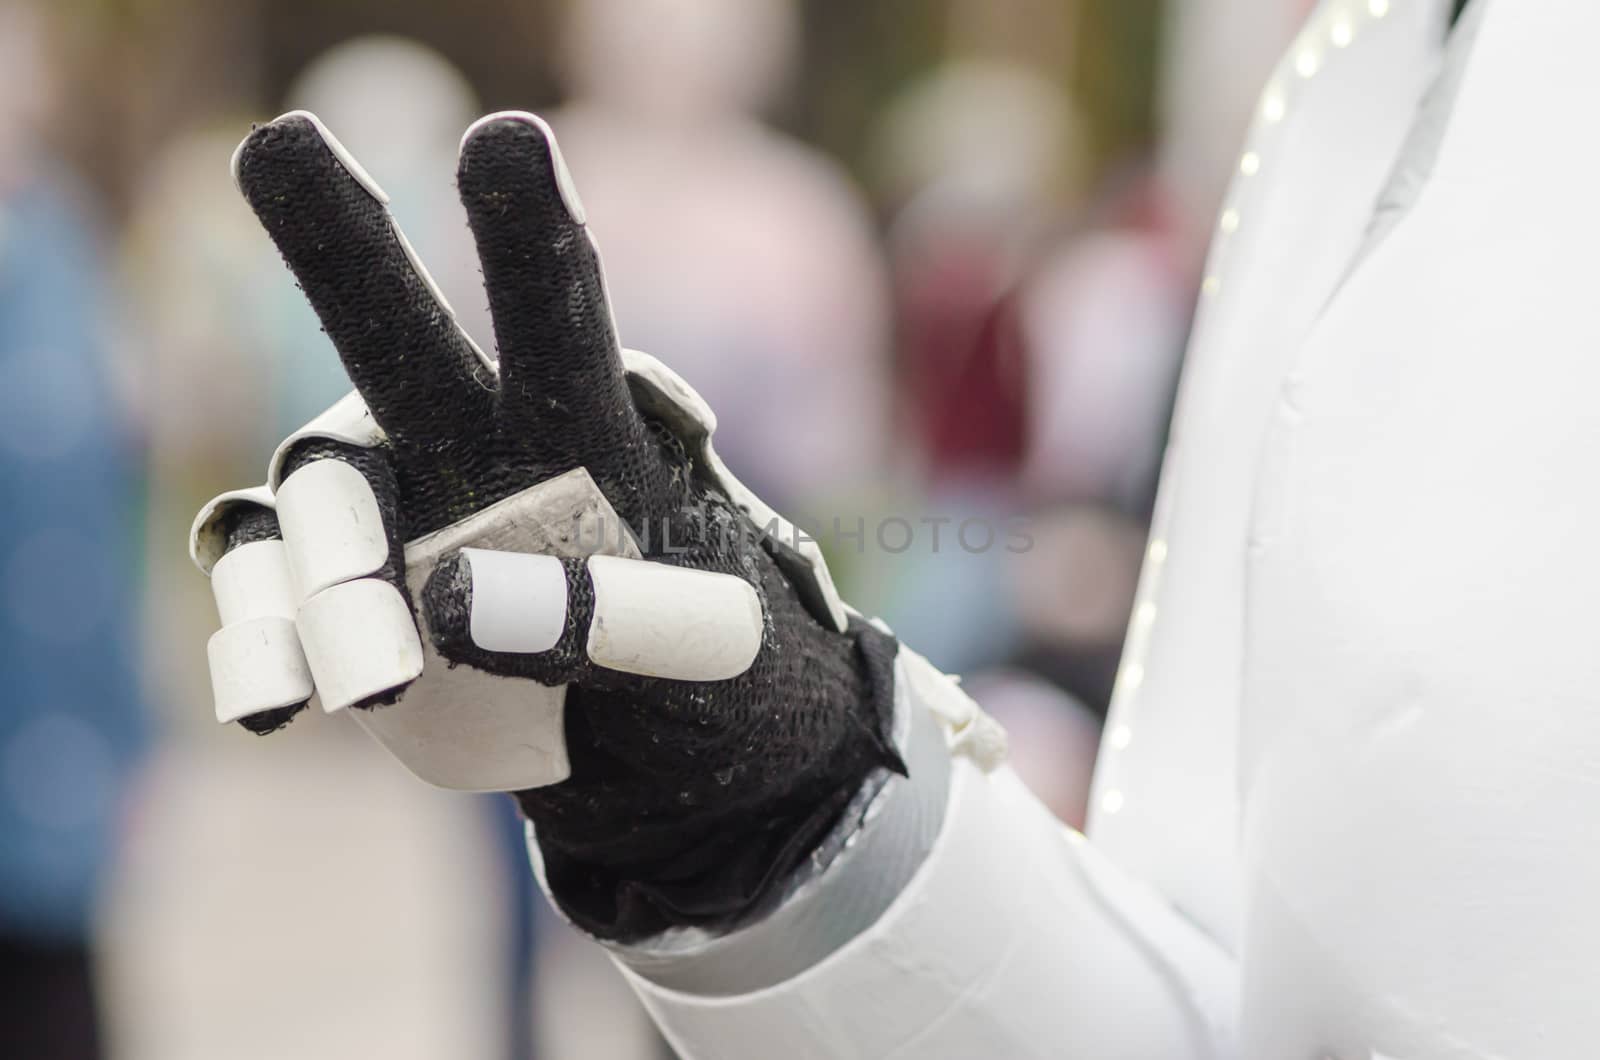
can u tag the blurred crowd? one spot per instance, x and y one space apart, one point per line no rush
931 263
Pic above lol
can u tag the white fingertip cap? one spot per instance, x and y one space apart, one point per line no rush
257 665
359 640
519 601
252 581
663 621
331 526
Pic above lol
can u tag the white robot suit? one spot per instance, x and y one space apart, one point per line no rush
1341 804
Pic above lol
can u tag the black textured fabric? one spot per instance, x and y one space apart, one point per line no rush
687 800
564 400
459 441
247 523
402 350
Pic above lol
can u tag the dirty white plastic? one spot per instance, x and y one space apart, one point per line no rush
663 621
255 658
519 601
252 581
359 640
206 540
331 526
256 664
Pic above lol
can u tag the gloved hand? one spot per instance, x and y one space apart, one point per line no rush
682 720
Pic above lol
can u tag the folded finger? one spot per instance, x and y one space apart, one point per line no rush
259 675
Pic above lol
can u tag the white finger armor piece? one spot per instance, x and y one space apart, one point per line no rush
255 658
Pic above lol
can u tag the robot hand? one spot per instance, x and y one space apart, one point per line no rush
536 576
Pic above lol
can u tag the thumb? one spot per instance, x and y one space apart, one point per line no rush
552 619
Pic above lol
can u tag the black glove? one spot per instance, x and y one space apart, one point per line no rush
688 800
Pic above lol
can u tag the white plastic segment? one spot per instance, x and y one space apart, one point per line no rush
519 601
253 581
257 665
564 182
663 621
331 526
359 640
255 658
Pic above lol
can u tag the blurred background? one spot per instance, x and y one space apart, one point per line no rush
931 261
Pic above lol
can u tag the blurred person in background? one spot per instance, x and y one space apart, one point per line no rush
71 720
1103 312
976 157
981 159
1216 54
742 257
1039 340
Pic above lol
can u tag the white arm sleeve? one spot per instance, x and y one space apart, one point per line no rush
1007 936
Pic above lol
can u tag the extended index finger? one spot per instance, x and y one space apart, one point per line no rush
417 371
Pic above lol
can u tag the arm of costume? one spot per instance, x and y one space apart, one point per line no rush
960 919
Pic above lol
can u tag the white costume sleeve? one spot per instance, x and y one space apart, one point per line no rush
1005 934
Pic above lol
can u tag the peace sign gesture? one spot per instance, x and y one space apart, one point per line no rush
535 574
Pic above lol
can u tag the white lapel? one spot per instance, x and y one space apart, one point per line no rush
1327 130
